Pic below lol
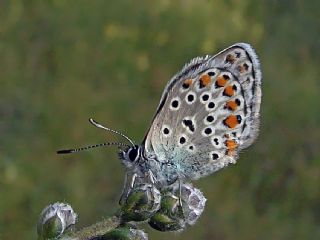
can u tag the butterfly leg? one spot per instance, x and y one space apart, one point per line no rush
127 188
151 177
124 189
152 180
180 191
133 180
179 197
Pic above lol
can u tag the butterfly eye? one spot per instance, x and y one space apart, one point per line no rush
133 154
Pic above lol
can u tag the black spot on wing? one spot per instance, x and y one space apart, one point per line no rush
189 124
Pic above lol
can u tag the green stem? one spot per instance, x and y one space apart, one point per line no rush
95 230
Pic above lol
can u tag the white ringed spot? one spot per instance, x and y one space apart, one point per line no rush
175 104
210 106
209 119
183 139
214 155
217 141
207 131
205 97
190 97
166 130
191 148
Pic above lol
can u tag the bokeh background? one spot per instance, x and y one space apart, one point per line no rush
65 61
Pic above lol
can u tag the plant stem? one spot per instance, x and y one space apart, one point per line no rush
95 230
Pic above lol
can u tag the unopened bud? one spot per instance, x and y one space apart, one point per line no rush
174 215
55 219
142 202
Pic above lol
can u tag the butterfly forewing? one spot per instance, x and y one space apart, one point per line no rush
207 113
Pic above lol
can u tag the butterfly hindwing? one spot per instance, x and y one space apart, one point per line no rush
207 113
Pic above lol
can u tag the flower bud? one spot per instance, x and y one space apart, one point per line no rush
170 216
174 217
142 202
55 219
193 203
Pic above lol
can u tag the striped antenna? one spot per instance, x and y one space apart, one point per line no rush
67 151
98 125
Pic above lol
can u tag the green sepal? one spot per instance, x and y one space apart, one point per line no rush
51 229
133 208
121 233
163 223
141 203
169 217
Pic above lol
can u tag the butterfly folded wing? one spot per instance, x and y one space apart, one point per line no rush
208 112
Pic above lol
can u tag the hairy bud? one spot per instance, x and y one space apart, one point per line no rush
173 216
55 219
142 202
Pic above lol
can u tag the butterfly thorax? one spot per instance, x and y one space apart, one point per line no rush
136 161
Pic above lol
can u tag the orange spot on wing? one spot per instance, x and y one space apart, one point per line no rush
205 80
187 83
221 81
231 147
231 121
228 91
231 152
231 144
232 105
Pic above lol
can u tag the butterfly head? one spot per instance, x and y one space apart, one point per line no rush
130 156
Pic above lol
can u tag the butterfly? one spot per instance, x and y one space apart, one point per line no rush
209 112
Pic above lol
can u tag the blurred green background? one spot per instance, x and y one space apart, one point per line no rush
65 61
